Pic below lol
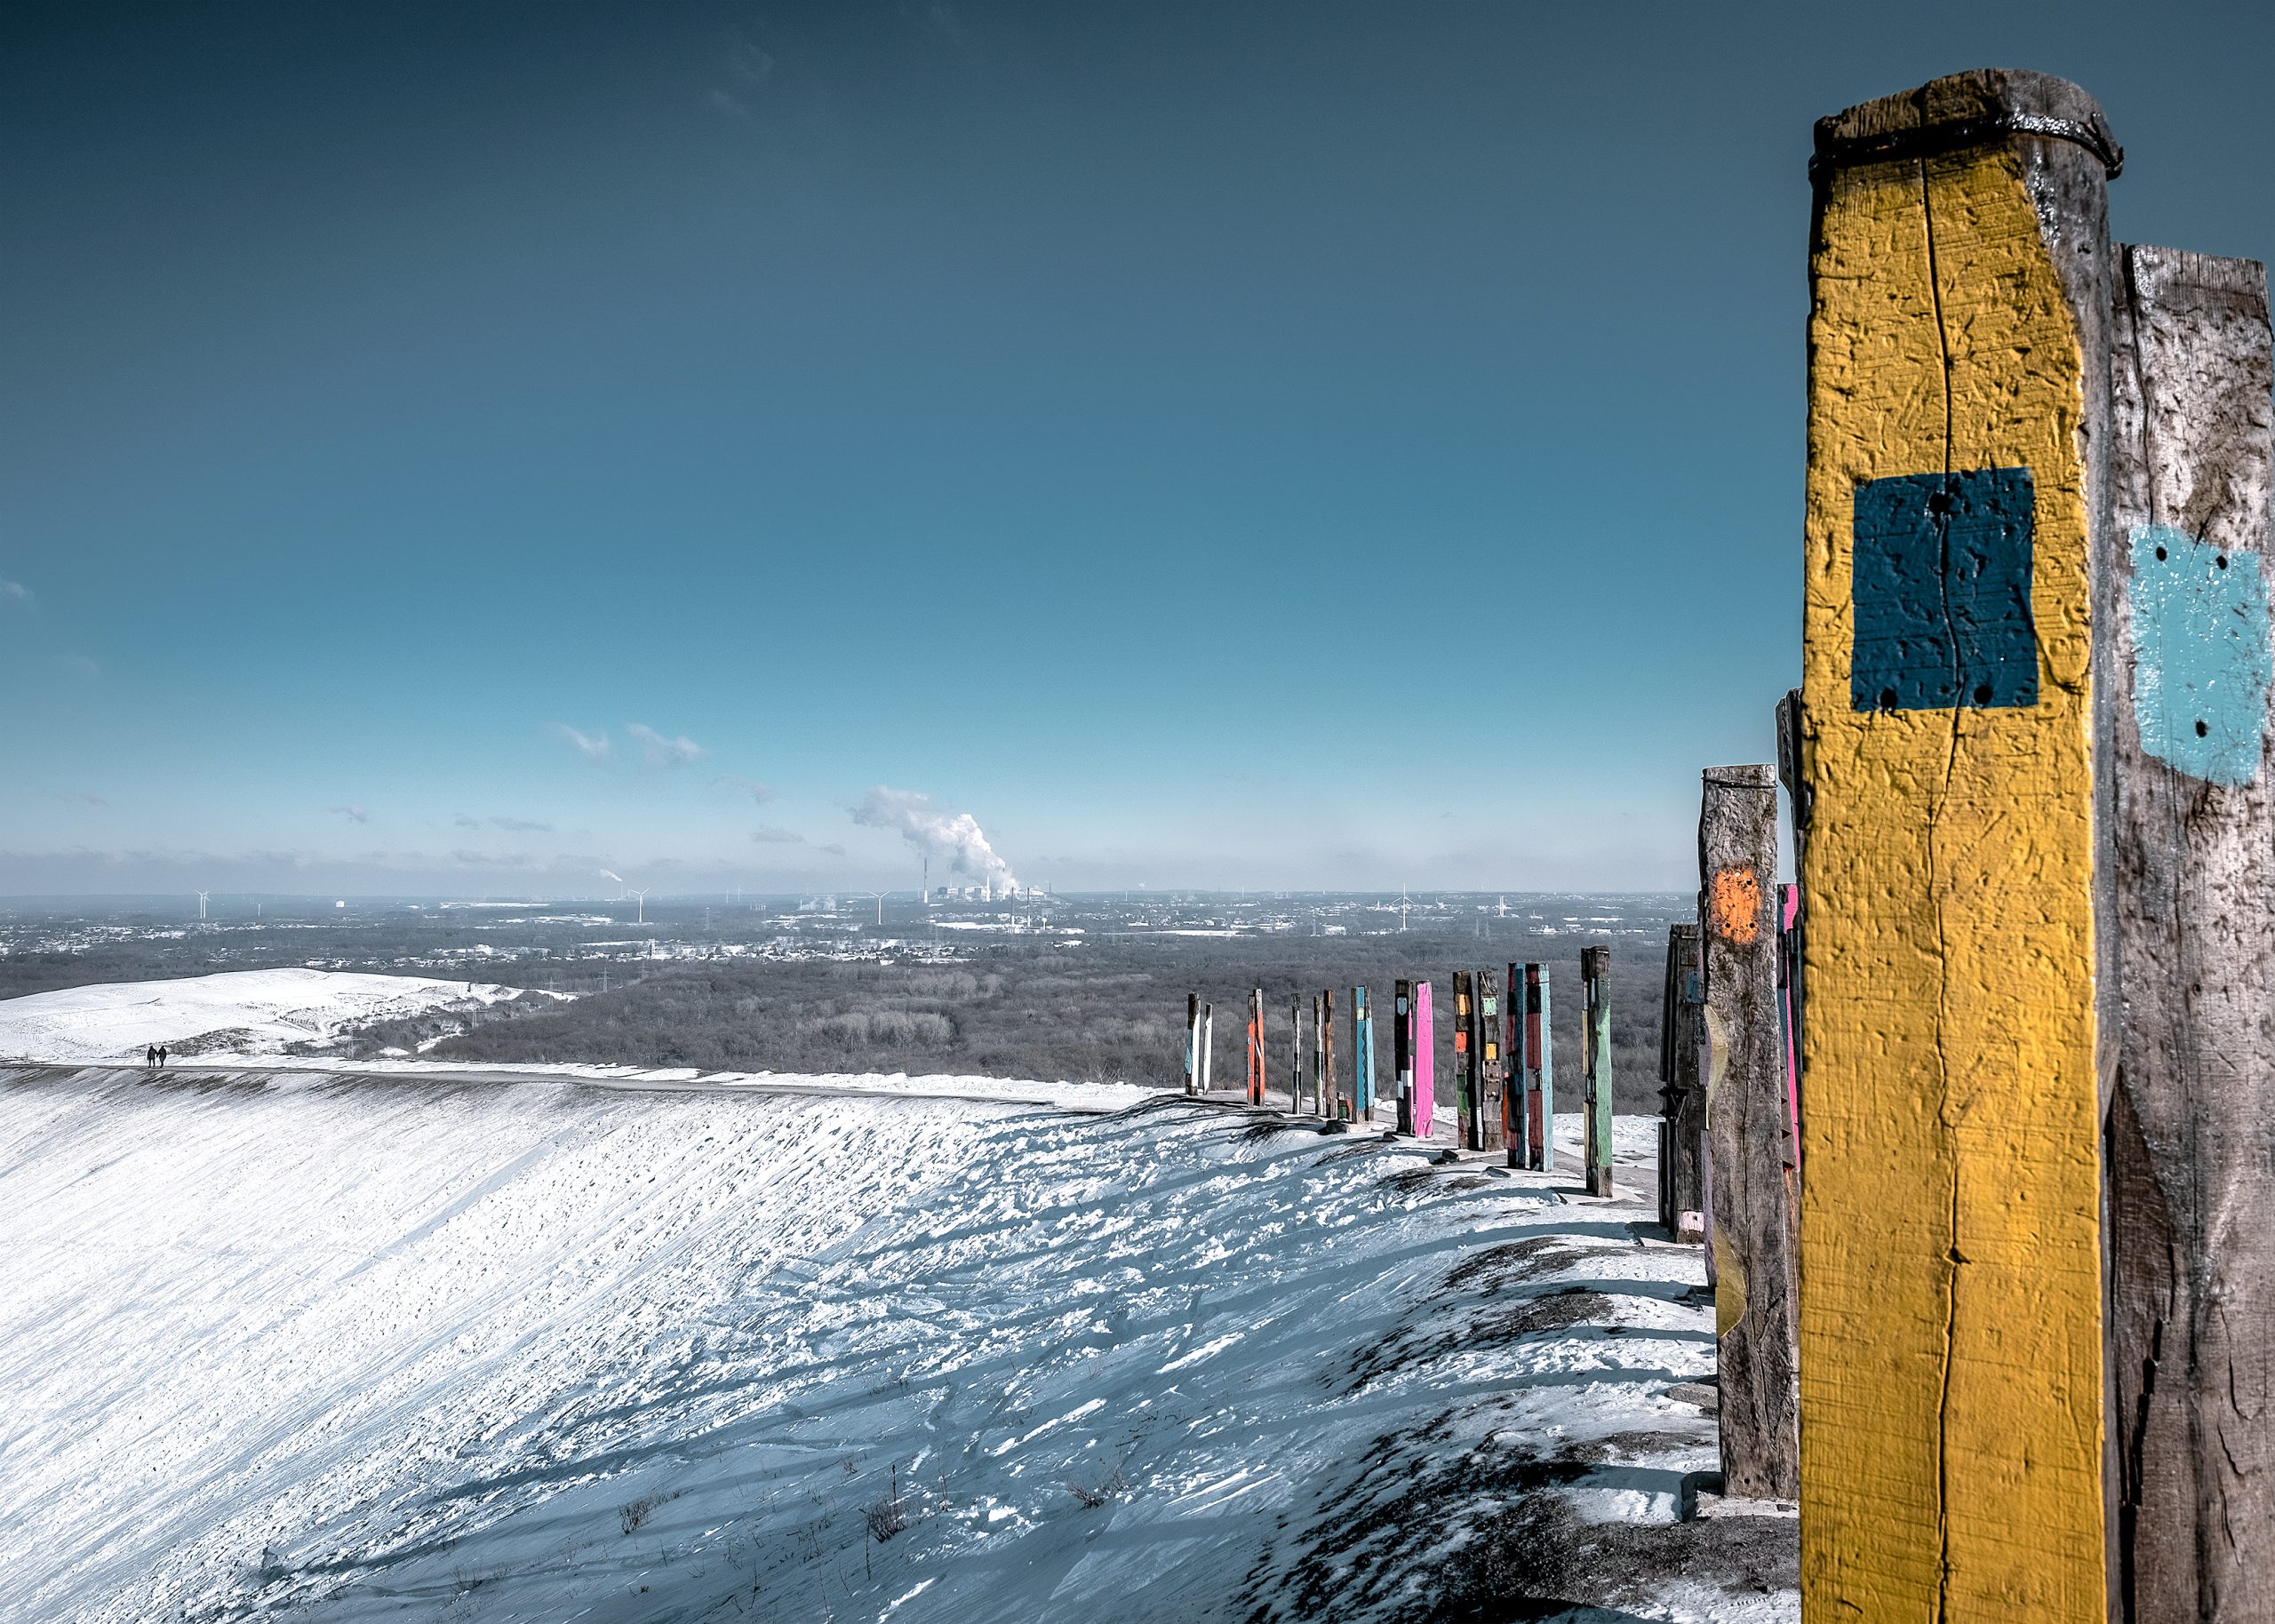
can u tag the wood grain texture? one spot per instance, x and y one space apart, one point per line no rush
1193 1043
1491 1079
1257 1065
1296 1054
2188 911
1791 733
1951 1256
1402 1053
1465 1063
1683 1116
1514 1066
1362 1055
1742 1072
1542 1122
1319 1056
1595 1057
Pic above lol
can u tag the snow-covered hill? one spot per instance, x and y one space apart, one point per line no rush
239 1012
299 1346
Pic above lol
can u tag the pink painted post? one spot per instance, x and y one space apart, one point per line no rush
1425 1070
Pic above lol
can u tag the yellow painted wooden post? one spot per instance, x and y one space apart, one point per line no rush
1950 1273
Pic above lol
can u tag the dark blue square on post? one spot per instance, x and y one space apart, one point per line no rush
1941 584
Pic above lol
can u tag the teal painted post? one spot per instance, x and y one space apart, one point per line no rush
1362 1055
1595 972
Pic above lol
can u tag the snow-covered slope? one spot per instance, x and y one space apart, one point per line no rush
239 1012
303 1346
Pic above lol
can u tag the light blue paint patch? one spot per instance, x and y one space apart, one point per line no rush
2205 666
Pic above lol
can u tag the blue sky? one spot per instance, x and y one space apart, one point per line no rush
1219 445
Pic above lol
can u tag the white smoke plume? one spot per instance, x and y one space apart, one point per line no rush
956 841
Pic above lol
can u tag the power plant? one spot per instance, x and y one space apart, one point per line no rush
988 891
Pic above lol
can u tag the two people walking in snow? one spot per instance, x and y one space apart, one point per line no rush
155 1056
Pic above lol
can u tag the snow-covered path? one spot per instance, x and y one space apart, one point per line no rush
544 1352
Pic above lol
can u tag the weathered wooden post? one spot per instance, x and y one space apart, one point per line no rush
1595 1058
1295 1055
1328 1090
1683 1124
1425 1063
1464 1063
1363 1056
1255 1061
1796 932
1208 1042
1512 1065
1318 1059
1401 1041
1193 1043
1789 1029
1540 1044
2187 924
1742 1073
1492 1106
1950 1352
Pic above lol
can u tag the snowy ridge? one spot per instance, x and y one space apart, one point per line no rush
896 1085
313 1346
236 1012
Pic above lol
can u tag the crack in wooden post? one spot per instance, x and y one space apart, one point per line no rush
2187 912
1949 1326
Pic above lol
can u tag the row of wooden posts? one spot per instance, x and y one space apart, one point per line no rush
1504 1061
1986 1171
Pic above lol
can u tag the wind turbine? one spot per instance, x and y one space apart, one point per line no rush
1402 905
201 904
880 896
640 916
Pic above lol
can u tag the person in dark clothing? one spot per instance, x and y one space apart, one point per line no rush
161 1057
151 1057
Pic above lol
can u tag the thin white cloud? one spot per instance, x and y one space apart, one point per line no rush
747 62
352 814
593 747
14 592
521 825
660 752
768 834
79 664
464 821
760 793
467 859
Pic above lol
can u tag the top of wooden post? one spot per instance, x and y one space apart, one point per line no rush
1752 775
1974 109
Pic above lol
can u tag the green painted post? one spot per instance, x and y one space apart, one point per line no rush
1595 972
